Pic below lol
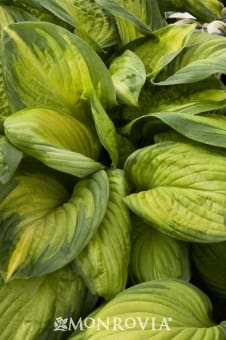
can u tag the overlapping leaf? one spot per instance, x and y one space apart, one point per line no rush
162 47
45 64
34 8
55 138
128 76
207 128
195 63
190 98
181 190
156 256
103 264
9 15
210 261
180 310
10 158
210 129
204 10
33 305
134 18
85 16
105 129
43 227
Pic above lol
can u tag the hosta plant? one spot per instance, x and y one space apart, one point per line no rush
112 166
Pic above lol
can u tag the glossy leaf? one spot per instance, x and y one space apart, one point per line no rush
43 227
34 306
180 190
156 256
103 264
180 310
45 65
128 76
56 139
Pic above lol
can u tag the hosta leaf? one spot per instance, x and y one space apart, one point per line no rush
105 129
4 105
156 256
55 138
45 65
162 47
172 136
204 10
87 16
141 131
103 264
205 129
30 3
195 63
134 18
10 158
180 310
36 10
210 261
190 98
43 227
128 76
33 305
9 15
185 187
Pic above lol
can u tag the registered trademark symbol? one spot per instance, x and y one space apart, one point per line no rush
170 319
